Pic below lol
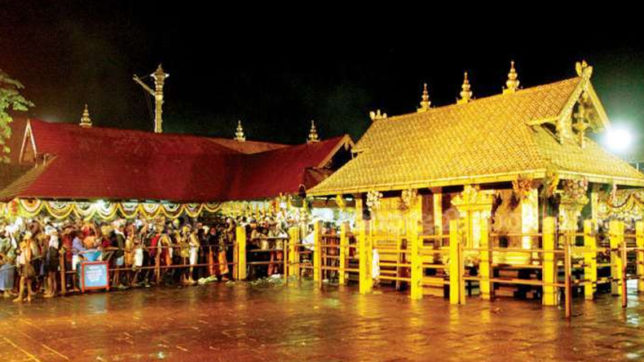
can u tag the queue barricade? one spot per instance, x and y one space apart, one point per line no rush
275 245
394 258
493 266
564 261
327 256
434 264
156 267
337 254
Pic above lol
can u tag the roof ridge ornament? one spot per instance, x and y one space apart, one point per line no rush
85 121
313 134
375 116
239 132
583 69
424 100
466 91
512 84
581 119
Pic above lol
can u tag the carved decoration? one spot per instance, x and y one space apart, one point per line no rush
408 198
522 187
373 200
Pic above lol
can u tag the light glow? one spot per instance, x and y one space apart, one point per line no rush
618 139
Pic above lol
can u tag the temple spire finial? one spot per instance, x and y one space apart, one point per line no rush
239 132
424 100
377 115
466 91
583 69
512 84
85 121
313 134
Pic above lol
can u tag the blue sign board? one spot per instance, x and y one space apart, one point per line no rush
95 275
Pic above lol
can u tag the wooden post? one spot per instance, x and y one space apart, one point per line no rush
63 272
317 253
294 254
484 261
456 292
285 249
366 283
344 250
639 242
568 272
590 259
416 267
549 275
624 258
157 264
240 254
616 236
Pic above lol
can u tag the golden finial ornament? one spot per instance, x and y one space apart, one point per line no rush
239 133
424 100
466 91
85 121
581 122
375 116
512 84
313 134
583 69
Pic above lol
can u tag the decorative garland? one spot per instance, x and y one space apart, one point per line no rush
103 209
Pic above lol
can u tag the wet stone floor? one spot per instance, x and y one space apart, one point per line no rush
298 322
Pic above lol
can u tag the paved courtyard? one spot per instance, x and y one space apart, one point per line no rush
297 322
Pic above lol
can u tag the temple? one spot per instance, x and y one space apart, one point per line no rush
505 162
67 164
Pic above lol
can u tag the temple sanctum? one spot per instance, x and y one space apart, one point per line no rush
506 162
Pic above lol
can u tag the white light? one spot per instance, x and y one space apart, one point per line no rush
618 139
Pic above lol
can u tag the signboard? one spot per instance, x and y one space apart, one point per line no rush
94 275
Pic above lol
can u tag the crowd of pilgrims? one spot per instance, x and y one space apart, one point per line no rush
32 251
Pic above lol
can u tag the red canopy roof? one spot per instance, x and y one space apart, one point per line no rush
107 163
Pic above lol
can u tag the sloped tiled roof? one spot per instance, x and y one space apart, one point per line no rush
485 140
107 163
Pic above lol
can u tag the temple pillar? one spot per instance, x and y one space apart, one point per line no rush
317 253
293 253
239 268
590 259
530 224
639 242
474 207
549 273
344 251
616 236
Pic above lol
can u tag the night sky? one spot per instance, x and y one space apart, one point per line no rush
277 72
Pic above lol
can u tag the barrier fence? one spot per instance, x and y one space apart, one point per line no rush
555 265
551 264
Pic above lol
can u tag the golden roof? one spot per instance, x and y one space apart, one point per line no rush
490 139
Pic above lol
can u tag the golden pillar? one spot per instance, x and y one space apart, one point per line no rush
456 287
344 251
474 207
239 269
317 253
616 236
590 259
549 274
639 241
294 251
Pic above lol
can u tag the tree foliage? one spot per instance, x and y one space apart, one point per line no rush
10 100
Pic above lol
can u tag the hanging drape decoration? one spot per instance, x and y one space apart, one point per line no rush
623 204
105 210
